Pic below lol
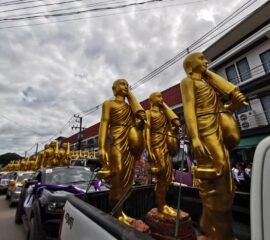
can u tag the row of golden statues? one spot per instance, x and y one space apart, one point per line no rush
50 156
126 129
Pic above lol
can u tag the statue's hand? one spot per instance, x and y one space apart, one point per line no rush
104 157
152 157
238 97
155 168
199 150
141 115
176 125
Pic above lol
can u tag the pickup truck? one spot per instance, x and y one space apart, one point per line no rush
89 219
41 202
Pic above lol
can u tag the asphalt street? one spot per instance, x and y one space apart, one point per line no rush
8 229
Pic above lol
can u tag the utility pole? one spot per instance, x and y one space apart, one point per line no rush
80 136
36 148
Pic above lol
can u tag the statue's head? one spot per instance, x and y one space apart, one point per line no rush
195 63
120 87
156 98
64 145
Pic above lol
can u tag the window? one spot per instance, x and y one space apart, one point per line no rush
232 74
243 69
266 105
265 58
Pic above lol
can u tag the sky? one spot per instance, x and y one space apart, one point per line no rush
56 66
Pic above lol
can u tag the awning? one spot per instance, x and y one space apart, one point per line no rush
249 142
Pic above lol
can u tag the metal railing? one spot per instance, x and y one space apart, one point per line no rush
253 73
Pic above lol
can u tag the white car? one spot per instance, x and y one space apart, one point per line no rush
260 193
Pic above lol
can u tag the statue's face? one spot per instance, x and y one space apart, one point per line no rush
199 63
157 99
121 88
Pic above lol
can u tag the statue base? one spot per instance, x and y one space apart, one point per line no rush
140 226
162 226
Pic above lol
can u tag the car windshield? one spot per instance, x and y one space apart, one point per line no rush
24 176
65 176
7 176
77 162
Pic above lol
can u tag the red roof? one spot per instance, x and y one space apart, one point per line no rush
171 96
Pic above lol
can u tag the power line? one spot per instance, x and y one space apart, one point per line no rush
73 7
82 11
52 4
20 125
193 46
10 3
98 16
38 6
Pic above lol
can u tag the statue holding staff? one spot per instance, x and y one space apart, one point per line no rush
213 131
161 127
120 141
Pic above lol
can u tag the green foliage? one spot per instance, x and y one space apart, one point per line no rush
7 157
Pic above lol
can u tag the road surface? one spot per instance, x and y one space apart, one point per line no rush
8 229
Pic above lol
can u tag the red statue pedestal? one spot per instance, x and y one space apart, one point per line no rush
162 226
139 226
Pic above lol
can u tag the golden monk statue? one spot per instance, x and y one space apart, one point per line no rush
161 127
212 130
120 141
38 162
50 153
63 155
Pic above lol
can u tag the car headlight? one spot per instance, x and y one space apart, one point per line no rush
55 207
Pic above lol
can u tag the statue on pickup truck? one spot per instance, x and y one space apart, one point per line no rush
213 131
120 141
161 127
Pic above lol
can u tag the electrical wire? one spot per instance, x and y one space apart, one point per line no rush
20 125
82 11
18 2
73 7
52 4
98 16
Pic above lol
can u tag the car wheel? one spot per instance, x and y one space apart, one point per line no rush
20 209
11 203
7 196
33 232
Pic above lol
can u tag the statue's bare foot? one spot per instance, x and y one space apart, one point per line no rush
125 219
169 211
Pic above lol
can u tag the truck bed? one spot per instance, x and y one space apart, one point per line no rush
142 200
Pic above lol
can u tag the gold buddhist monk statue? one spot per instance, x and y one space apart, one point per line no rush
161 127
212 130
120 141
63 155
